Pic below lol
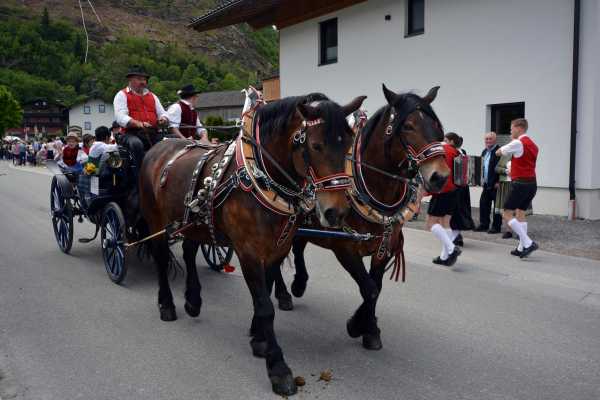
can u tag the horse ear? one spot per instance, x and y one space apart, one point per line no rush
353 105
389 95
431 95
307 112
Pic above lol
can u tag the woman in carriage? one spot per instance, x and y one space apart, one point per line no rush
71 158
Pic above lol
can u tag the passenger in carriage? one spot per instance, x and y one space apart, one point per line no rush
70 157
101 146
139 112
184 121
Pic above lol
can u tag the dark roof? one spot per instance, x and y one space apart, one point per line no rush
261 13
228 98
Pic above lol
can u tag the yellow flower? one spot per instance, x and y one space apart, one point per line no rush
90 168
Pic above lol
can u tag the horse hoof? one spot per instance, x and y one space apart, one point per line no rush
283 385
259 349
167 314
352 328
372 341
192 310
285 303
298 287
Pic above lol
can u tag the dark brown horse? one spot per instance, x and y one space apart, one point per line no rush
300 139
406 129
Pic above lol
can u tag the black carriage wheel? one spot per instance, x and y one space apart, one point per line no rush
62 217
212 258
113 239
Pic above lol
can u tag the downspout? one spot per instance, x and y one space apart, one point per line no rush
574 104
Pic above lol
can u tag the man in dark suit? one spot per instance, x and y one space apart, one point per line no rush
489 159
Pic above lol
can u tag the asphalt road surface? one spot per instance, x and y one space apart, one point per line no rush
493 327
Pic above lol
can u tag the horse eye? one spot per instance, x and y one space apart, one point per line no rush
317 147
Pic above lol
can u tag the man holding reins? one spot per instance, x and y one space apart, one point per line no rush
523 185
139 112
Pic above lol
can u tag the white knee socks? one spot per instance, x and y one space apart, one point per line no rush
443 236
454 234
520 228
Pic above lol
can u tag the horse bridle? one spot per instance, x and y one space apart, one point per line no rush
340 181
429 151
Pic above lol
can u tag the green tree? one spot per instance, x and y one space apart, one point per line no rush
11 113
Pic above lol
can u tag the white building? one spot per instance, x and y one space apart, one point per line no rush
494 60
91 114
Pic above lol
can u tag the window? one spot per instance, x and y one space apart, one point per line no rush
500 117
101 108
87 109
328 42
87 126
415 22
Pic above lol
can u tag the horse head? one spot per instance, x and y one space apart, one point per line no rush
414 131
319 148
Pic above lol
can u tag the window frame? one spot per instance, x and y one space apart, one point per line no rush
495 109
322 42
86 124
102 108
410 31
87 109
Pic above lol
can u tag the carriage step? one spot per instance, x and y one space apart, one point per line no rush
86 240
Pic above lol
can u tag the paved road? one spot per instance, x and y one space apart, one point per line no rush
491 328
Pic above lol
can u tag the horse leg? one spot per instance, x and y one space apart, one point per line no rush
301 276
193 301
284 298
363 322
160 253
263 338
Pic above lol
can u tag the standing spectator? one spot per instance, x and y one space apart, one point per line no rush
15 152
88 141
115 131
441 207
490 184
461 217
523 186
22 153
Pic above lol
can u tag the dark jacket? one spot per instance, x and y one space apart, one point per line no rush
492 177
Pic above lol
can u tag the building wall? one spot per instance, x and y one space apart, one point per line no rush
227 113
95 117
480 53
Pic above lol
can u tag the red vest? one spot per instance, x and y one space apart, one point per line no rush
70 155
451 153
188 117
141 107
524 166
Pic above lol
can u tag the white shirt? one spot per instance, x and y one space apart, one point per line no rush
122 112
174 113
514 148
99 148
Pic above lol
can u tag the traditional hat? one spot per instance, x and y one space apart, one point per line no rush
187 91
137 70
72 134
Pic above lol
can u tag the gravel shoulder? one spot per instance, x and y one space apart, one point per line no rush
579 238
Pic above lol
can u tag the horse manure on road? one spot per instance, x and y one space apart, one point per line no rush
326 375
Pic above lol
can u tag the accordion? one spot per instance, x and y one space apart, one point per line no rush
468 170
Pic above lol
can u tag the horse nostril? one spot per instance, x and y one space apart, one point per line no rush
331 216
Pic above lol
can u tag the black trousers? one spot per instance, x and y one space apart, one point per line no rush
488 196
138 143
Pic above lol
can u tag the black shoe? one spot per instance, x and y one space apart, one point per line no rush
516 252
439 261
493 231
507 235
458 241
480 228
452 257
529 250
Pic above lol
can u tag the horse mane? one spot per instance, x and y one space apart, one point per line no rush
405 103
275 117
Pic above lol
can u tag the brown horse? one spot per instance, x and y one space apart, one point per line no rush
298 139
407 125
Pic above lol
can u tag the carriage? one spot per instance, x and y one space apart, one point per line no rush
102 200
